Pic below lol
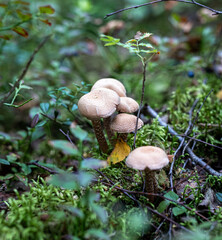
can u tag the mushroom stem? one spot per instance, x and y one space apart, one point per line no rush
150 183
109 132
100 136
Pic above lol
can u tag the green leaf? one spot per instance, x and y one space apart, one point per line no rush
64 180
219 196
5 162
65 146
91 163
44 107
171 195
96 234
162 206
179 210
46 9
110 44
21 31
79 133
100 212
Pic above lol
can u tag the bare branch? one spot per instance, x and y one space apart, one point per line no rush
195 158
7 95
215 12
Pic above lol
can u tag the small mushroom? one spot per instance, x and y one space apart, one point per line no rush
127 105
97 104
119 88
148 159
124 123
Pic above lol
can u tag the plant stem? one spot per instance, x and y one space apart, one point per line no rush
141 102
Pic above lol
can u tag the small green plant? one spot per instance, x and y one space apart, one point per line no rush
143 50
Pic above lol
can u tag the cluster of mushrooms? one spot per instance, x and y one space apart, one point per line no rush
107 100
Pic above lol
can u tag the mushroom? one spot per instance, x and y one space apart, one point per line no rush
97 104
124 123
112 84
149 159
119 88
127 105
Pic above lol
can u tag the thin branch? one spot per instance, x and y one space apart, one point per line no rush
35 163
141 103
215 12
24 70
195 158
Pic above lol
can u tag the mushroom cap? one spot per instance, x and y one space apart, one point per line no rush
99 103
153 158
112 84
127 105
125 123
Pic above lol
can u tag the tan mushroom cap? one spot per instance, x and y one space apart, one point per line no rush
127 105
99 103
112 84
125 123
153 158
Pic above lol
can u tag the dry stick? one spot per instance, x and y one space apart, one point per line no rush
24 70
182 142
159 1
195 158
198 140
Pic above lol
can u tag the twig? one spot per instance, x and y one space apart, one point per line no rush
190 125
141 103
24 70
43 167
195 158
215 12
67 135
201 141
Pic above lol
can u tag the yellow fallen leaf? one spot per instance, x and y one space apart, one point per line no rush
119 153
219 95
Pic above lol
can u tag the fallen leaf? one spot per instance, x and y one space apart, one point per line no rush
219 95
119 153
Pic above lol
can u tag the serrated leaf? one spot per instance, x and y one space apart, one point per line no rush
46 9
21 31
119 153
179 210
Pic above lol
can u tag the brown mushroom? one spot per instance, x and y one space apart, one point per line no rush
148 159
97 104
124 123
127 105
119 88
